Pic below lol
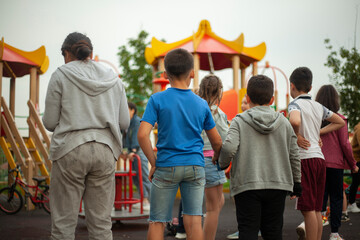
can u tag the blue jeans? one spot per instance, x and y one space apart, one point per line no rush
144 172
166 181
214 177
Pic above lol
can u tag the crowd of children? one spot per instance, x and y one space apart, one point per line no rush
293 158
271 156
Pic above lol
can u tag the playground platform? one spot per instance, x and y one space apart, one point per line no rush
36 225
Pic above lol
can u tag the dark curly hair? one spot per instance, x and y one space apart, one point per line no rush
78 45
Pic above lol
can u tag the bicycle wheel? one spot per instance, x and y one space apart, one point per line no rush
11 201
45 201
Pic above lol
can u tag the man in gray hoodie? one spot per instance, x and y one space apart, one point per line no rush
265 163
85 108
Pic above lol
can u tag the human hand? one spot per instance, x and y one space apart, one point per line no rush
302 142
151 173
355 170
123 155
131 156
320 142
297 191
215 159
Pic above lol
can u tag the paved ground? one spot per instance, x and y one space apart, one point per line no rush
35 225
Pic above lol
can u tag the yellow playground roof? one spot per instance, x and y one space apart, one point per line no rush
18 63
205 42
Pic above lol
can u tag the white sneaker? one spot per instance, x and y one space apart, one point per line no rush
335 236
353 208
180 235
146 206
300 230
234 235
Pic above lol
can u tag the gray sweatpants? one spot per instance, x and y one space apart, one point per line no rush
86 172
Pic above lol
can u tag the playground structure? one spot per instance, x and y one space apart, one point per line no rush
30 152
212 53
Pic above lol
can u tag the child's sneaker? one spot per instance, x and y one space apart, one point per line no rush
353 208
335 236
234 235
325 220
300 230
180 235
345 217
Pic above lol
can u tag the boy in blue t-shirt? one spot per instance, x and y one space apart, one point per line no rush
181 117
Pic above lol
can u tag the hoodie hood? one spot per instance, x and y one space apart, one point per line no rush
89 76
262 118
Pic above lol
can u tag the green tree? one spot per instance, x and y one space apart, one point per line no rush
135 72
345 66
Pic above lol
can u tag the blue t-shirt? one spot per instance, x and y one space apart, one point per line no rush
181 116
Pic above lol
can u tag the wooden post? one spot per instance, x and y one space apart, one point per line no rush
196 71
12 96
154 70
37 90
243 80
276 100
235 67
1 74
160 68
32 95
254 69
33 75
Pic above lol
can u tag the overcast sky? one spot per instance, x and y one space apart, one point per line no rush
293 30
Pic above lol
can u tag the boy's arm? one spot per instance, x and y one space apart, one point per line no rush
230 145
145 144
295 163
216 142
336 123
295 121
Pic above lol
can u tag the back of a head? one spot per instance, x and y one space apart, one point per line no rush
302 79
78 45
328 97
132 106
178 63
260 89
210 89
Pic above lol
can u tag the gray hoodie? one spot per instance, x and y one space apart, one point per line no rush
263 149
85 102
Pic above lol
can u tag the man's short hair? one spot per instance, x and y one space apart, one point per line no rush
260 89
178 63
132 106
302 79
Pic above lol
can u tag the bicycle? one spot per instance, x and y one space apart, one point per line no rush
11 201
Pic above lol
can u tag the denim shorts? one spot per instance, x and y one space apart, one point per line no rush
165 183
213 176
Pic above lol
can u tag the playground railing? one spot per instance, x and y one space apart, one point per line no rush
17 143
34 120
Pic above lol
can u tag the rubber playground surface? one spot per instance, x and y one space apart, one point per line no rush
36 225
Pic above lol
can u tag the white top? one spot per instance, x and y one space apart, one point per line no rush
312 115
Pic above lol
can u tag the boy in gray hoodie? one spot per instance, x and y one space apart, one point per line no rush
265 163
